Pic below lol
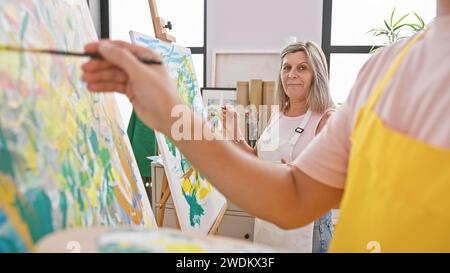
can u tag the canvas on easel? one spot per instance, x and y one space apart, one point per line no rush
65 158
198 204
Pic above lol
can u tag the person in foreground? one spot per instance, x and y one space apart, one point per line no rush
388 146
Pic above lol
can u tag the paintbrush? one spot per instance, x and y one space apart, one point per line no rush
67 53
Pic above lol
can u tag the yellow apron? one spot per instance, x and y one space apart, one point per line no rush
397 193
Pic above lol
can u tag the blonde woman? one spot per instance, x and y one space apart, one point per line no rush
305 105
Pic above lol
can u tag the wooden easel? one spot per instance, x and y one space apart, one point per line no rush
165 194
159 25
215 227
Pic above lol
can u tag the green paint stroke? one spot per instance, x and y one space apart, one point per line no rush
91 167
23 27
185 165
94 142
36 211
6 161
10 240
110 194
63 208
8 246
171 147
195 210
105 158
83 178
80 200
69 23
68 174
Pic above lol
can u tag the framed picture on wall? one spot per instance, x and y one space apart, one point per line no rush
230 66
213 96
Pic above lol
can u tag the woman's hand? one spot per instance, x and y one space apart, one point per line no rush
284 161
148 87
230 123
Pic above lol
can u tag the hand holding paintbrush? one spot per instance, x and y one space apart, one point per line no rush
149 87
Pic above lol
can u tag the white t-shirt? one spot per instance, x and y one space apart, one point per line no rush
274 141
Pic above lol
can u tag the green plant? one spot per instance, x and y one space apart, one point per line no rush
392 29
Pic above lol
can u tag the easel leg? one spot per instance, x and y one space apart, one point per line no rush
215 227
177 223
165 194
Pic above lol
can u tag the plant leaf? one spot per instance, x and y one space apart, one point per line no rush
388 27
375 30
401 19
393 31
392 15
420 19
416 28
400 26
380 33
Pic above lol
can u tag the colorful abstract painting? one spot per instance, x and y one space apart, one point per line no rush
132 240
171 241
197 203
65 160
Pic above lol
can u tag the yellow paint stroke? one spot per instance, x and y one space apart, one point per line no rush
76 208
201 188
186 185
180 247
188 66
43 82
61 182
136 215
10 62
83 112
32 158
52 119
8 193
59 135
205 191
92 190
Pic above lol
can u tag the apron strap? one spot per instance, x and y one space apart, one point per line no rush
381 86
299 130
274 118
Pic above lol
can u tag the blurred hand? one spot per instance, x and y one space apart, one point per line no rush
148 87
230 123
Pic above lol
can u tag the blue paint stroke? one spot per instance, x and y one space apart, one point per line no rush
23 27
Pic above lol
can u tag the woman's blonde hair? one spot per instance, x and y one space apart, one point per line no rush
319 97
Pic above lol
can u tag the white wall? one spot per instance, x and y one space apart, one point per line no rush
260 24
